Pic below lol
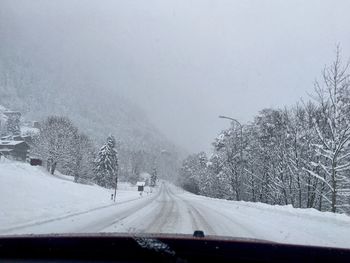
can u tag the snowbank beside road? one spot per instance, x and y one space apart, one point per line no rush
283 224
29 194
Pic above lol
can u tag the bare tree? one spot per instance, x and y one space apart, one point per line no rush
56 143
333 128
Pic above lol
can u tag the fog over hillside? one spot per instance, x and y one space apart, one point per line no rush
42 74
37 92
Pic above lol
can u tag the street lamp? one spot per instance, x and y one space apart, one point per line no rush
240 127
241 139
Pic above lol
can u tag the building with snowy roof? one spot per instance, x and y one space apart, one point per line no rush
17 150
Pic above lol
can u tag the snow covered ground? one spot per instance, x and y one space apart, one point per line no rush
28 195
283 224
31 201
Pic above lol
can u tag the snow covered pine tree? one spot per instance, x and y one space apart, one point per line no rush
154 177
106 165
13 123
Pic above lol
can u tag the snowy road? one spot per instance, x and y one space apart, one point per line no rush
161 212
166 211
171 210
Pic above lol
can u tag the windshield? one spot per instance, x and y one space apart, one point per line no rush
170 117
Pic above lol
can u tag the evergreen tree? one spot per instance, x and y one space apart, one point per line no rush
154 177
13 124
106 164
83 159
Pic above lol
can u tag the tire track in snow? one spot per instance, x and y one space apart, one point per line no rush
198 220
205 217
165 215
138 218
202 223
228 227
118 216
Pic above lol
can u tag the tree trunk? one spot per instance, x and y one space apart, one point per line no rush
53 168
48 165
253 190
299 190
334 186
321 197
115 188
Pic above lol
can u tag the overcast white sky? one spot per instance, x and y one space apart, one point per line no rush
185 62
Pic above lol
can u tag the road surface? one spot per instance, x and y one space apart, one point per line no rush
167 210
172 210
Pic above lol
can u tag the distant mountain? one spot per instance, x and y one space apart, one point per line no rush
54 68
38 92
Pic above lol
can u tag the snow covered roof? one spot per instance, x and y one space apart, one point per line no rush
9 112
6 150
2 108
11 142
25 130
145 176
140 183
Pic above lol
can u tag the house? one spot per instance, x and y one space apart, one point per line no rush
17 138
17 150
145 177
36 124
3 120
12 114
28 139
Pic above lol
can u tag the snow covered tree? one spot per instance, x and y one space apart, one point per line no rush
333 131
83 160
202 174
228 148
216 184
13 123
298 156
154 177
299 153
55 144
106 164
193 173
188 178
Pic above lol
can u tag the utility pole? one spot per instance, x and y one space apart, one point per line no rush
115 188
